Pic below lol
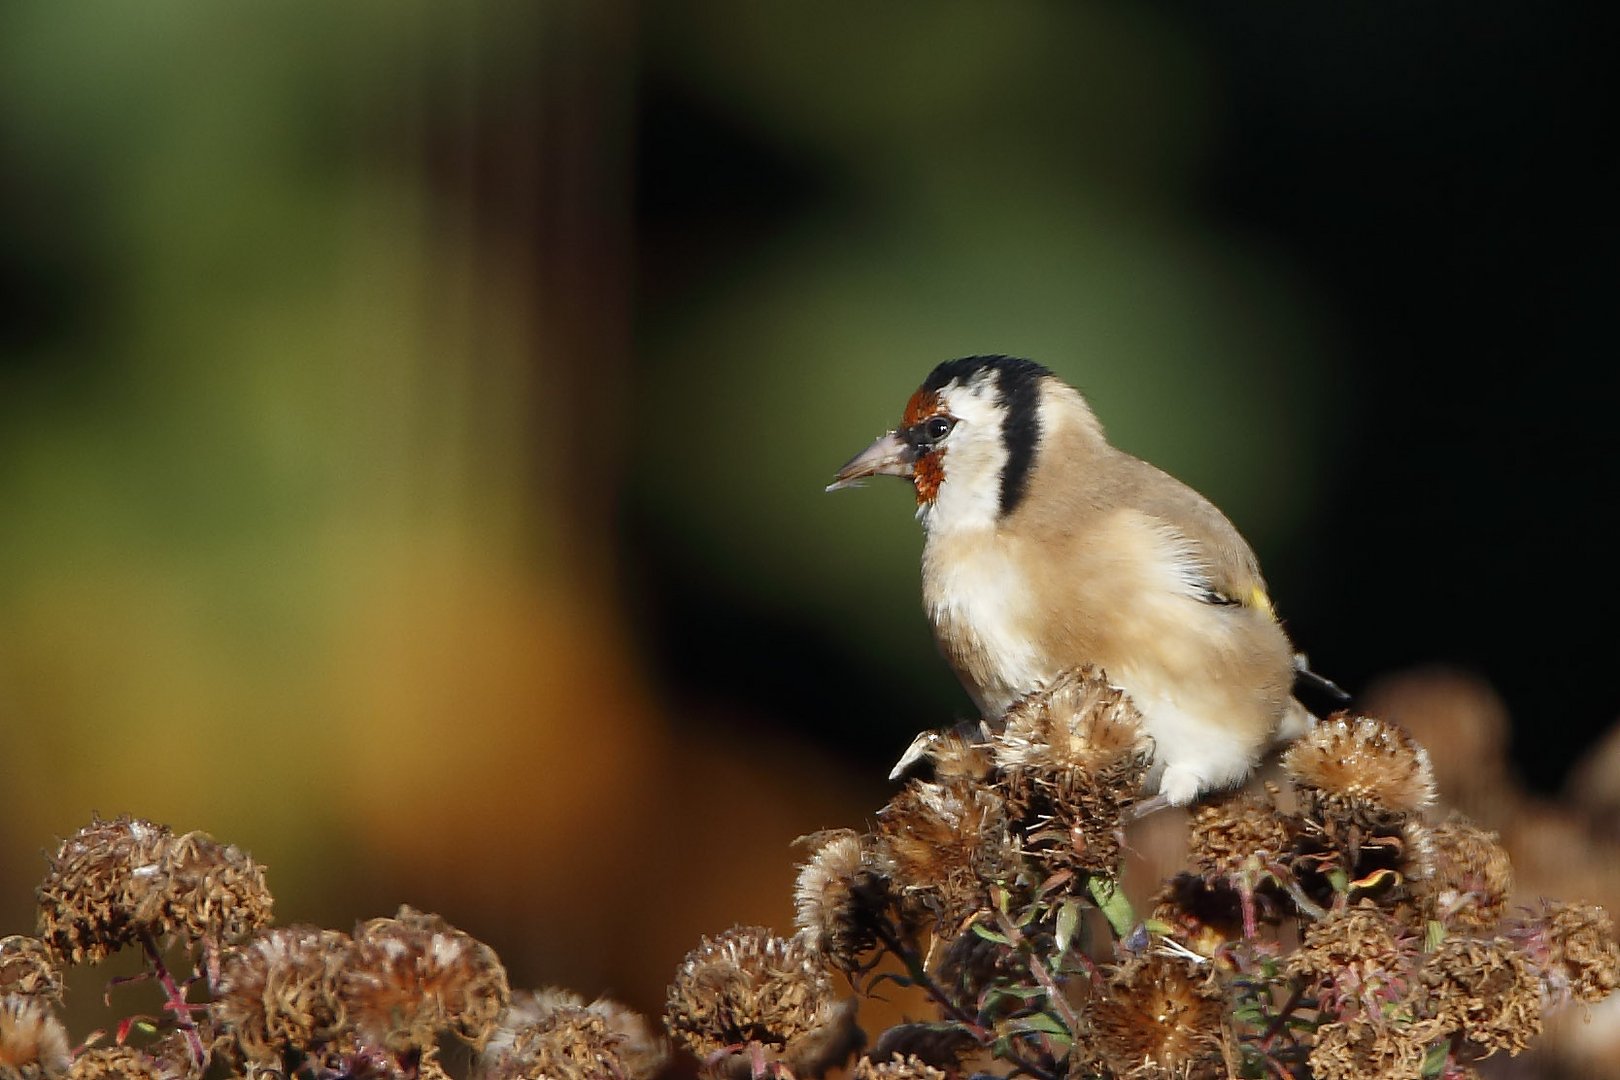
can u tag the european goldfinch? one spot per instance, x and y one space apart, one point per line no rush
1047 549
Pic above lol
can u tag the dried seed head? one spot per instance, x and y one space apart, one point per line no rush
279 991
1073 758
33 1044
1359 1049
944 842
1238 836
1484 991
1080 723
206 891
121 1063
415 975
1162 1019
552 1034
1361 769
841 897
896 1068
750 986
1472 876
959 756
1572 948
26 967
97 881
114 882
1358 955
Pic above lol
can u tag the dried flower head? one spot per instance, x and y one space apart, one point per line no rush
415 975
119 1063
1472 876
33 1045
1361 769
552 1034
896 1068
1239 836
1162 1018
1359 1049
1484 991
279 992
1358 955
97 881
959 755
115 882
26 967
205 891
1073 758
842 897
944 843
1572 948
748 986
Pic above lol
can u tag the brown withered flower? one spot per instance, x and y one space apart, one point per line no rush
1572 948
115 882
414 975
944 843
1361 769
33 1044
940 1045
749 991
552 1034
98 880
205 891
1072 759
1161 1020
1484 991
1360 955
119 1063
896 1068
1472 876
1242 835
1359 1049
278 991
27 967
842 897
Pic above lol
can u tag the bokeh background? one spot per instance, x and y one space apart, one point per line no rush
413 417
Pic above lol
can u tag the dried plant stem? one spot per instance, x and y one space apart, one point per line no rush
1054 993
176 1001
919 975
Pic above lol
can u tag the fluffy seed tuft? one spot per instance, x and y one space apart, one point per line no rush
1362 769
26 967
841 896
33 1044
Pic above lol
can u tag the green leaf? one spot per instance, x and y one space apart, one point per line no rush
1159 926
1339 880
989 934
1111 901
1045 1023
1434 1062
1434 936
1068 921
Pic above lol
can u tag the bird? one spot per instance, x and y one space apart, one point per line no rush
1047 549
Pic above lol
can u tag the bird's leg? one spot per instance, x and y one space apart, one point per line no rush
1151 805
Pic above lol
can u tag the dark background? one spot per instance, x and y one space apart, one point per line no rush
413 417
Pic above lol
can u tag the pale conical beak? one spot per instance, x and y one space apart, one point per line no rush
890 455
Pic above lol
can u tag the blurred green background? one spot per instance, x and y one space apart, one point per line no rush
413 417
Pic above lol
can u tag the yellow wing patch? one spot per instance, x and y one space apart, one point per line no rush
1259 599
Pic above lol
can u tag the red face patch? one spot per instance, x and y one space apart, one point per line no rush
929 472
927 475
923 404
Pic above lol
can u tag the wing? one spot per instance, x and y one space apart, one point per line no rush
1218 564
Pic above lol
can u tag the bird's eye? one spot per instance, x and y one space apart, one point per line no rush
937 428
